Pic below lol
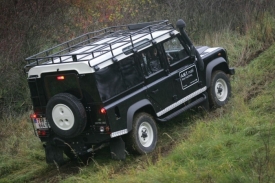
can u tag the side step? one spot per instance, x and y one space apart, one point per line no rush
185 108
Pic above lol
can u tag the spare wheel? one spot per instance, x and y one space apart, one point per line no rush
66 115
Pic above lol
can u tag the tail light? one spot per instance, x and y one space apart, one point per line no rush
33 116
103 111
60 77
41 132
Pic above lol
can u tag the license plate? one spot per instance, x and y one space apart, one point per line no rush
41 123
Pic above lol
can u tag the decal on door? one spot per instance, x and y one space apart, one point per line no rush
188 77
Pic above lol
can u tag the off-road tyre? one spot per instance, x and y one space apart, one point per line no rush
219 90
143 137
66 115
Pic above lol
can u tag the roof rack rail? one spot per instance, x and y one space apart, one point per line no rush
70 51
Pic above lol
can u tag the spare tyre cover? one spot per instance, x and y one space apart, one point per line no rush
66 115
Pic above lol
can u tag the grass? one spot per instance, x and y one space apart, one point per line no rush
235 143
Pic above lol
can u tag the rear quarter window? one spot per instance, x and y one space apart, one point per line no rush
117 78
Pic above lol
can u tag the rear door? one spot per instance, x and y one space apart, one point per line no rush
62 82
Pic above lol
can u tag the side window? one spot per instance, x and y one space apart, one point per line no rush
116 78
150 60
174 50
130 72
109 82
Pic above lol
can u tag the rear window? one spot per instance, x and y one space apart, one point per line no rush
62 83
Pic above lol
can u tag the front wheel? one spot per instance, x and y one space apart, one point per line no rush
143 137
220 89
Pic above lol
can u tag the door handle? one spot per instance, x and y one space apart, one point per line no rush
177 79
155 91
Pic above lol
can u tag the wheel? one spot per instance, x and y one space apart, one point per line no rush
143 137
66 115
220 89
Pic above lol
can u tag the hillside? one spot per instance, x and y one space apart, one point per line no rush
232 144
235 143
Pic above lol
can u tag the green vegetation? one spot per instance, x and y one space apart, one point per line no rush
232 144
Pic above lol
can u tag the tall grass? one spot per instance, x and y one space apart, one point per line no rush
21 154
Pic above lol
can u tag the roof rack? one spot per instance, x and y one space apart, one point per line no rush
96 44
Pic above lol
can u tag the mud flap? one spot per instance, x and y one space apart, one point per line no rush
117 146
205 103
53 154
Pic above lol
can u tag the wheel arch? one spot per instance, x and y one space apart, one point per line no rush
140 106
216 64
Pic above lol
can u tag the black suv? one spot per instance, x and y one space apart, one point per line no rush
113 85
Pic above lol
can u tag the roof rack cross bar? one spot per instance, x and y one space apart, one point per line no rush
88 38
111 50
68 44
150 32
47 53
131 41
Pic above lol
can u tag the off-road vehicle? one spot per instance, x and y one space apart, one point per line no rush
114 85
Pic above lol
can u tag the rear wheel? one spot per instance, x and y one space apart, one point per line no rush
66 115
143 137
220 89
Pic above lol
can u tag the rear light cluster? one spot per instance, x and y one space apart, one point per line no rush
33 116
103 111
60 77
42 133
104 129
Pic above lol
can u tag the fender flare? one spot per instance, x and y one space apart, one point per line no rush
132 109
211 65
